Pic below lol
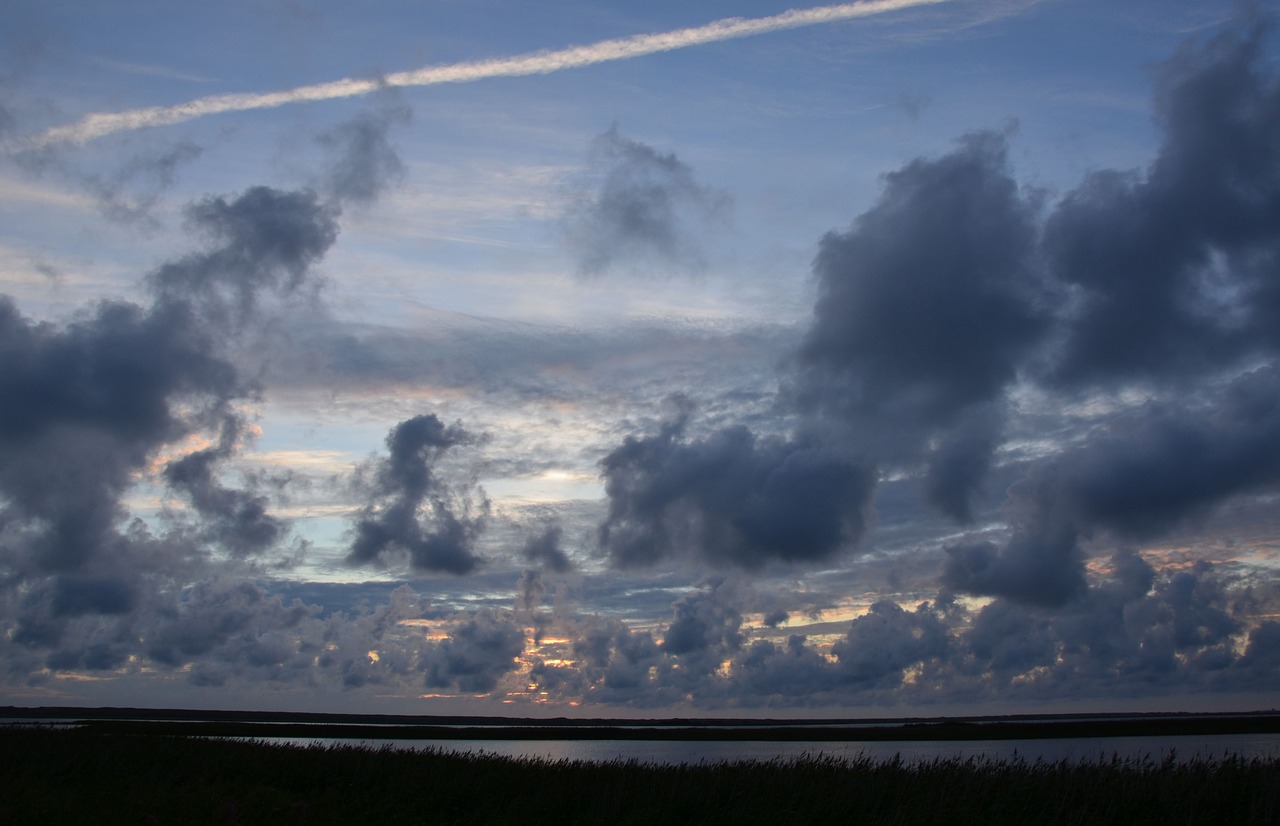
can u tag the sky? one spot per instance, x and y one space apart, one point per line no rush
608 359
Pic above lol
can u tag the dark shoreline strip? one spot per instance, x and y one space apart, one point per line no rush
948 730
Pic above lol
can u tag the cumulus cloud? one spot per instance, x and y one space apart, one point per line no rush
1138 476
960 289
707 619
88 405
115 398
413 514
1173 267
1176 631
929 303
639 210
926 310
109 398
477 653
729 498
883 643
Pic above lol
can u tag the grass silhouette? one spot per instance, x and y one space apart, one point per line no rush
71 776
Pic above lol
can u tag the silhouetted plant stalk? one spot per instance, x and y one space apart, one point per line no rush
59 776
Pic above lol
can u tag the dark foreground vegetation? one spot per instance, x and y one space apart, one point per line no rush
70 776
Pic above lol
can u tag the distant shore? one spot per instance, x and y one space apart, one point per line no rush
254 724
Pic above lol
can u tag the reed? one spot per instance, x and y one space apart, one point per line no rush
68 776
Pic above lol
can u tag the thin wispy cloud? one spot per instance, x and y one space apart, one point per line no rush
100 124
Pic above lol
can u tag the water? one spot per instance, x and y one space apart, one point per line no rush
677 752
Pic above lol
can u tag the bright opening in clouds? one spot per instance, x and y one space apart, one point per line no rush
878 358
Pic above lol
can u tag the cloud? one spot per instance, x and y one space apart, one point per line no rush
216 613
264 241
707 619
112 400
87 407
926 310
545 549
1171 267
640 210
131 191
984 315
99 404
1147 473
413 513
1042 564
730 498
1139 475
883 643
476 654
101 124
1161 276
362 161
233 519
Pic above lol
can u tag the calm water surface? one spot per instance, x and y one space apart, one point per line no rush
674 752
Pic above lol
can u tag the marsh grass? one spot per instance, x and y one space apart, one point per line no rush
68 776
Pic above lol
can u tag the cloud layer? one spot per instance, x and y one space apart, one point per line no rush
1070 384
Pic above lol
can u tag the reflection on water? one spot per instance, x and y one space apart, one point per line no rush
671 752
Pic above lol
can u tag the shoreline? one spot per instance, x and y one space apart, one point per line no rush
197 723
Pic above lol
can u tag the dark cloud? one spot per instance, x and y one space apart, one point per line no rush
961 459
93 405
263 241
1262 656
545 549
927 309
77 595
87 405
413 513
1147 472
477 653
707 619
363 162
620 661
769 673
1139 475
1147 631
776 617
1040 565
234 519
883 643
730 498
1171 267
936 311
928 305
214 614
640 210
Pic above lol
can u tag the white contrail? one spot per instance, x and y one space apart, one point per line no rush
536 63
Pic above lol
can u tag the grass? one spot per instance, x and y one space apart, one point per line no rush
69 776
